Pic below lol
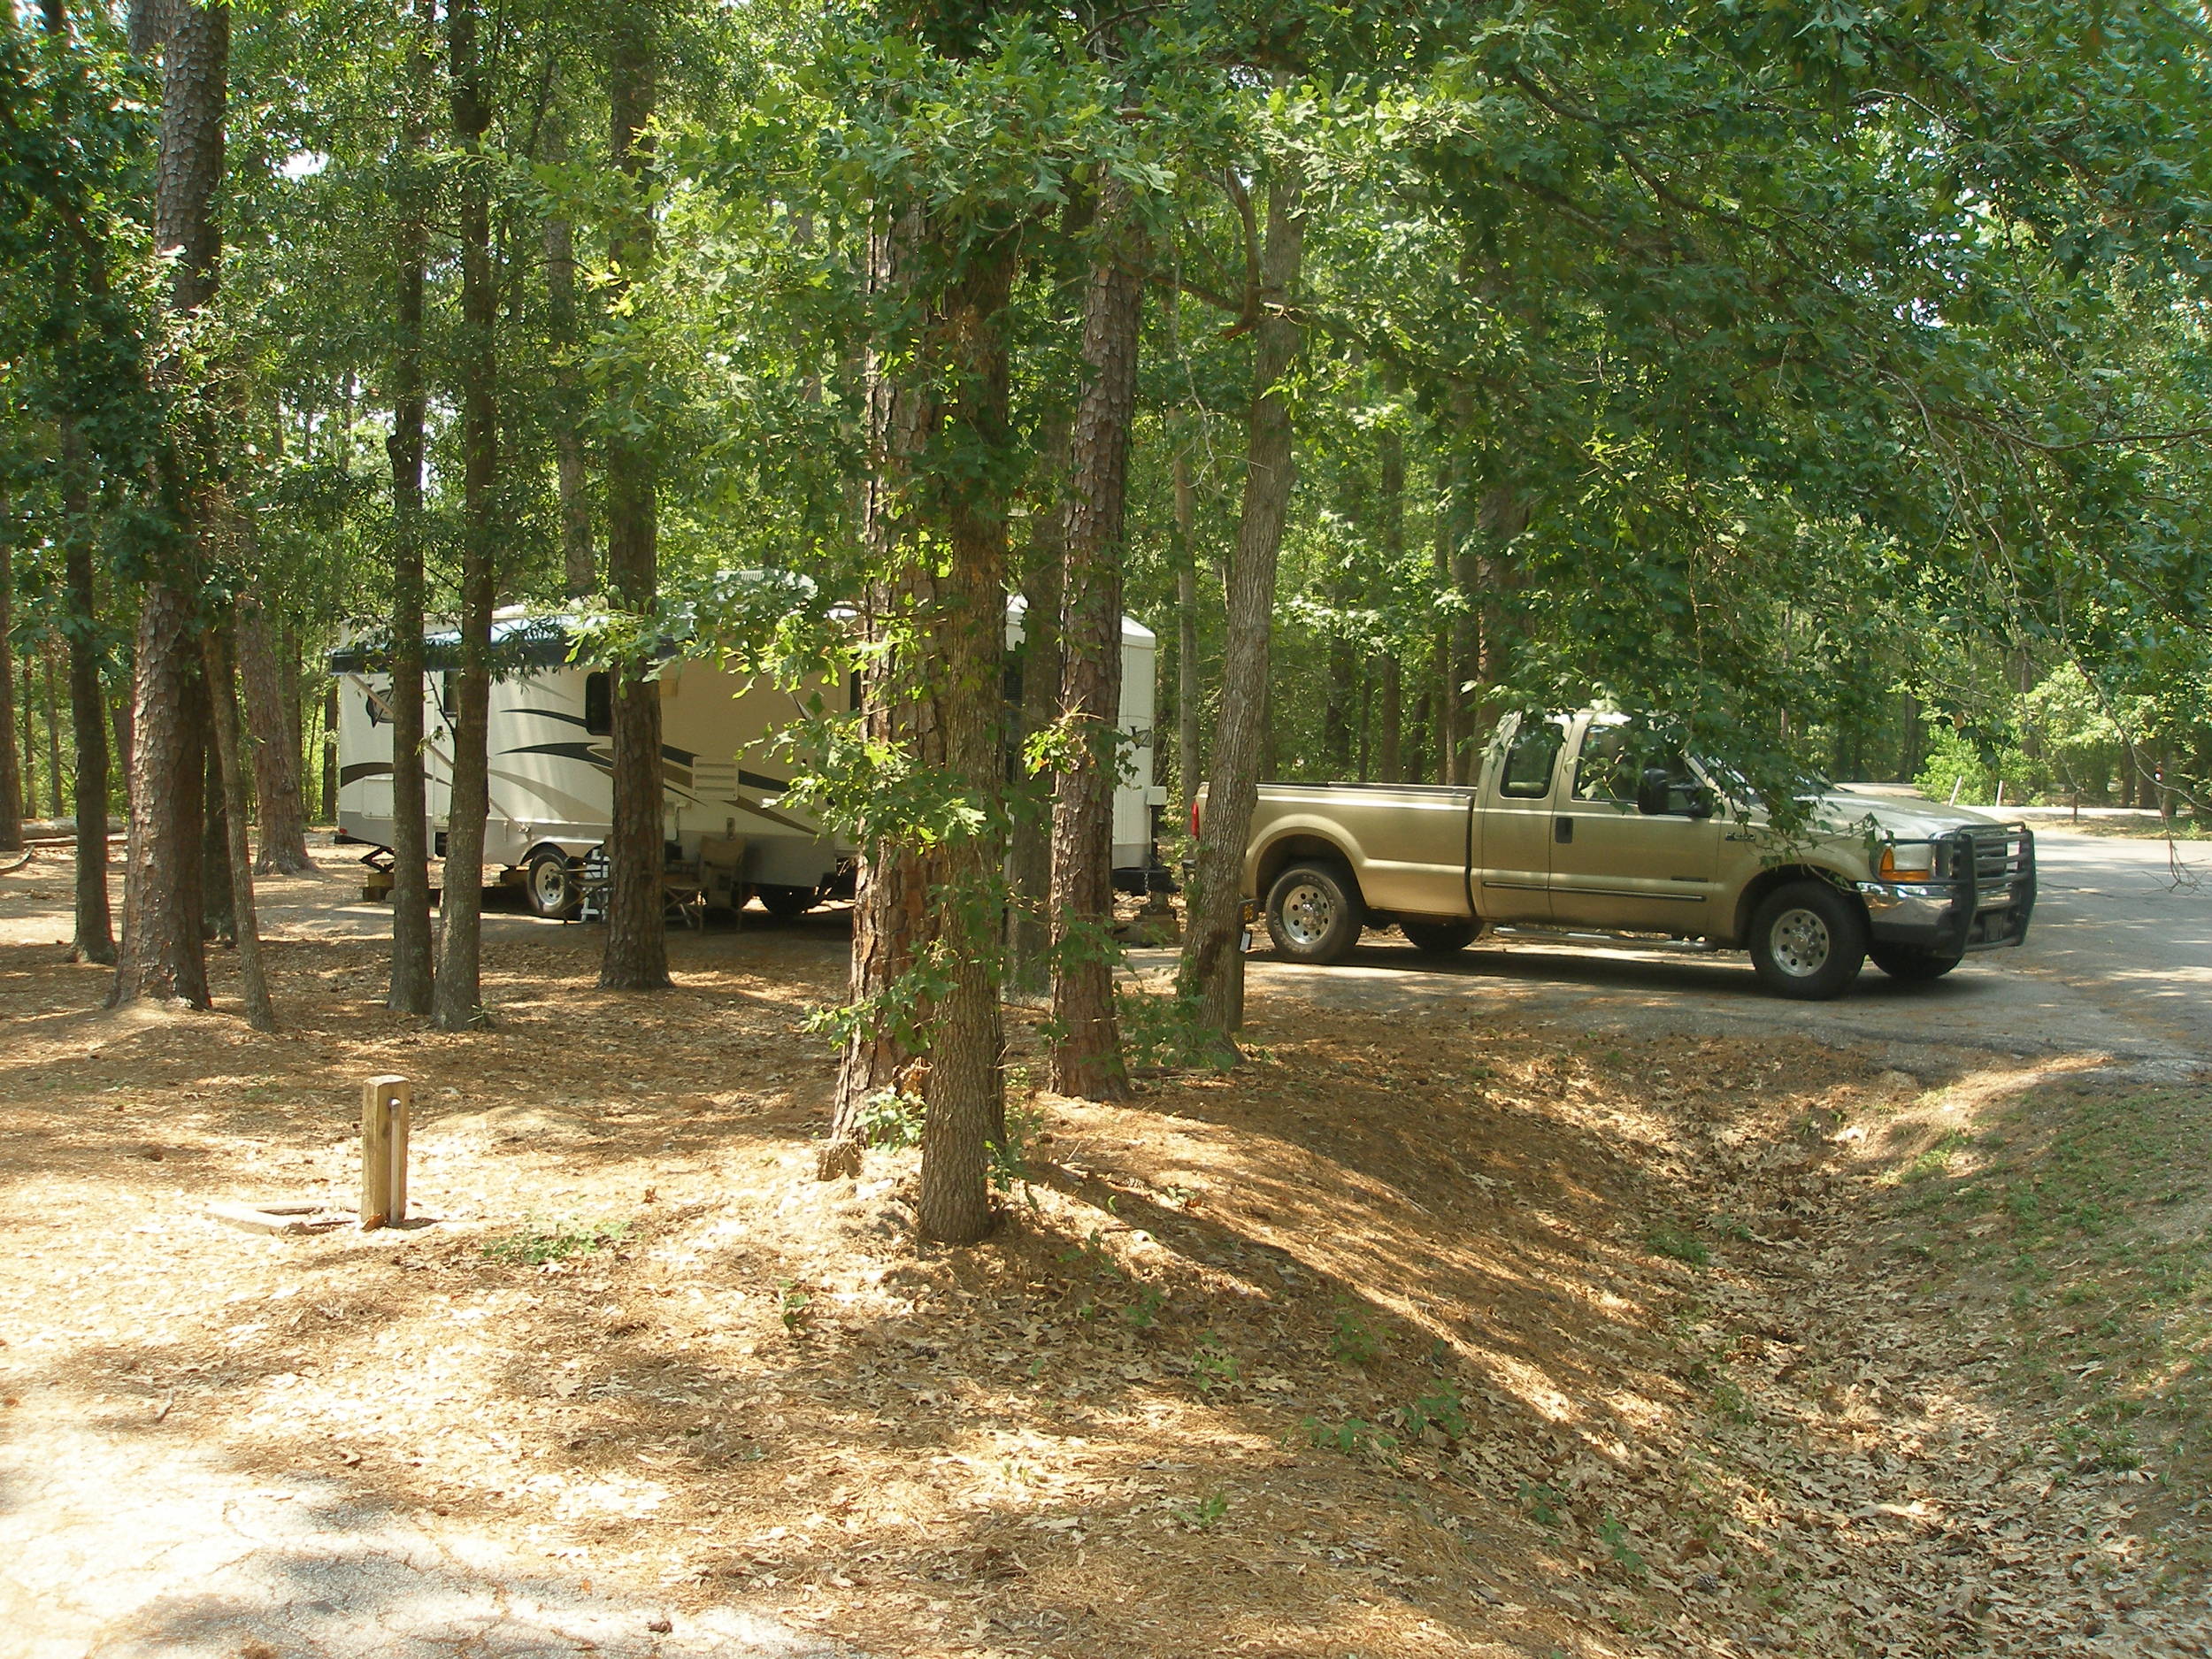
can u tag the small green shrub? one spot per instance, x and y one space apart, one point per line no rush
1679 1245
1352 1341
554 1241
1211 1365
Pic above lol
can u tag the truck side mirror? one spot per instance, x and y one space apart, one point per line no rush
1651 791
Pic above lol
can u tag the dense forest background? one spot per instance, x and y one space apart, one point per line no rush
1834 377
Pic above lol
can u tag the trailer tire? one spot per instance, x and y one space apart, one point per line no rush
1440 938
549 886
1314 912
1913 964
788 904
1809 940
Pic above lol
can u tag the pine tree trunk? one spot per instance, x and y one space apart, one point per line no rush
95 934
457 1001
1190 760
636 954
965 1092
890 913
412 978
162 954
326 743
26 706
940 439
54 802
1391 517
274 746
218 911
10 763
1029 907
1086 1051
1212 972
578 572
231 772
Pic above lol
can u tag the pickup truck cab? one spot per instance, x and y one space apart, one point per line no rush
1596 822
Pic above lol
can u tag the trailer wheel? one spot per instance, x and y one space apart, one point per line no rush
549 886
1314 912
1440 938
788 904
1808 940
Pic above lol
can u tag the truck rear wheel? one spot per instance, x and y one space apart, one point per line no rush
1313 914
1440 938
1915 964
1808 940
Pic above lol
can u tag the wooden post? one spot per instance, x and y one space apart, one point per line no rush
386 1103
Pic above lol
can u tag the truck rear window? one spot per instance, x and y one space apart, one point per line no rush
1530 759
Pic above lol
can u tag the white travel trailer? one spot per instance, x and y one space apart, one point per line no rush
727 830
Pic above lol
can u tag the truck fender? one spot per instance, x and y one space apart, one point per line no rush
1780 875
1293 842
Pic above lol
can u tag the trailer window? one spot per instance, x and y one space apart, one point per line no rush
598 705
1531 758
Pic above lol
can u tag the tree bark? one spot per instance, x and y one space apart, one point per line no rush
1390 512
1212 972
219 913
1029 907
275 746
636 954
413 980
940 438
1085 1048
965 631
1190 760
890 901
53 732
11 761
326 744
230 770
27 708
162 955
457 1001
95 934
578 569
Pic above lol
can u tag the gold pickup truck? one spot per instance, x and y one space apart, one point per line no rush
1596 822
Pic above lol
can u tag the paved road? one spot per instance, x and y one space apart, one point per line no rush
2119 961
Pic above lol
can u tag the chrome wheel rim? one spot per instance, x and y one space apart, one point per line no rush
549 884
1308 911
1800 942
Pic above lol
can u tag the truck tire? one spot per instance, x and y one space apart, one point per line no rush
1808 940
786 905
1440 938
1314 913
1915 964
549 886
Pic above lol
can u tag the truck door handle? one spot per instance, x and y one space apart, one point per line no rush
1562 830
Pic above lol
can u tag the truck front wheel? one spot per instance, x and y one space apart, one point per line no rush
1312 914
1915 964
1808 940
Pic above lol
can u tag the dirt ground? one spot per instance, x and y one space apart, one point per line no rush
1466 1336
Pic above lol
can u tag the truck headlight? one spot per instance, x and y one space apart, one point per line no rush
1908 860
